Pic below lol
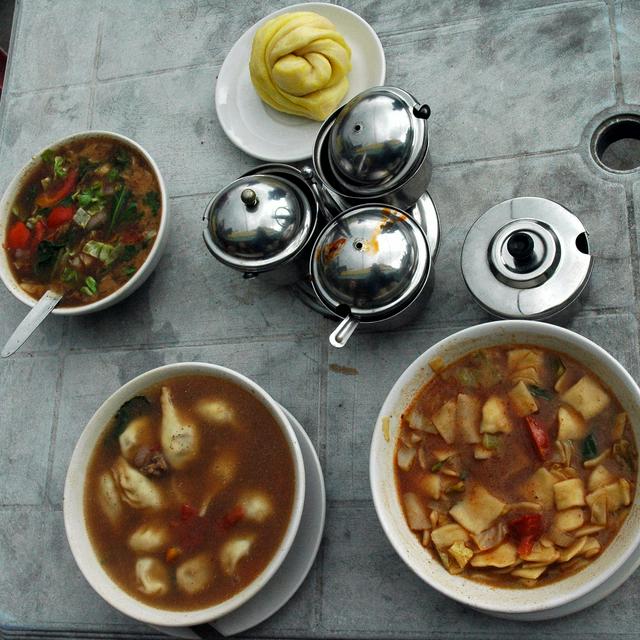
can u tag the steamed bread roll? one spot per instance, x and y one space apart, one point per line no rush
299 64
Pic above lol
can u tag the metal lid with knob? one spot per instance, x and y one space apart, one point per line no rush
369 264
377 140
526 258
258 222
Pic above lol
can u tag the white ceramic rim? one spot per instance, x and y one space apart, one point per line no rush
474 594
73 505
241 143
147 266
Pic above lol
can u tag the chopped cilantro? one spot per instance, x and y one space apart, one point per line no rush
69 276
58 167
129 251
47 156
129 271
152 201
113 174
121 159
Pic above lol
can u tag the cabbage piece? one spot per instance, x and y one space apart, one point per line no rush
477 511
468 416
569 519
525 365
138 432
149 538
587 397
618 495
431 484
460 553
216 410
109 498
571 425
491 537
415 512
539 488
136 489
504 555
445 421
569 493
600 477
233 551
495 418
597 502
522 401
179 439
196 574
542 555
256 504
417 420
443 537
152 577
406 456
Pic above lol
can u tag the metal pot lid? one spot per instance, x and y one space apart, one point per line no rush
526 258
370 262
377 140
258 222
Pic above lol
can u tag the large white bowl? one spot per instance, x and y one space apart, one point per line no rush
542 602
74 520
136 280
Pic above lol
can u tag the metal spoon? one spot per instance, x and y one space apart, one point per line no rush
32 320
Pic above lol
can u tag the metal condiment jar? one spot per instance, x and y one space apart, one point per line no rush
526 258
262 222
375 148
370 264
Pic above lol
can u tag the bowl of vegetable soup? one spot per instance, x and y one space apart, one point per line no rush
86 217
184 494
504 469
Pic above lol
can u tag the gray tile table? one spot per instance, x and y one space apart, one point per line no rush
516 88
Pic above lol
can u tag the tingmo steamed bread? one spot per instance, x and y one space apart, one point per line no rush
299 64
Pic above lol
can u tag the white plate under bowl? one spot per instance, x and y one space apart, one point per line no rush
268 134
295 567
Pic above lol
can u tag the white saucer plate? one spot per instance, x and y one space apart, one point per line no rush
295 567
273 136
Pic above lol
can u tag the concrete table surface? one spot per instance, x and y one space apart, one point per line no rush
516 88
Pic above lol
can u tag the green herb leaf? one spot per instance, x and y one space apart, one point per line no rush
121 159
130 214
129 251
90 286
137 406
91 197
129 271
46 255
58 167
152 200
589 448
69 276
47 156
541 393
121 203
113 174
438 465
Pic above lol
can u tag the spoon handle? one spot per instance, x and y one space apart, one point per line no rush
40 311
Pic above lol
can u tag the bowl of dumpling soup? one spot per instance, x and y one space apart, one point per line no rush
184 494
504 469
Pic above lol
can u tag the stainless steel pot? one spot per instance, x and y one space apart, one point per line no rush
375 149
371 264
527 258
264 223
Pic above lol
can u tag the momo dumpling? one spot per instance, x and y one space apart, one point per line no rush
139 432
195 574
137 490
224 467
149 538
179 440
257 505
152 577
216 410
109 498
233 551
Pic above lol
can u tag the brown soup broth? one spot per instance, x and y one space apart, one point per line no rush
264 462
483 374
46 242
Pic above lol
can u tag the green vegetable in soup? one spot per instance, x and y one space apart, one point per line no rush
152 200
90 286
589 448
46 256
47 156
102 251
541 393
59 168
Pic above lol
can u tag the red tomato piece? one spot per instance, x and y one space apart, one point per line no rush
187 512
233 517
59 191
38 235
59 216
19 236
526 530
539 436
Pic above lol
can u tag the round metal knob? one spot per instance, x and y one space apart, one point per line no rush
249 197
520 246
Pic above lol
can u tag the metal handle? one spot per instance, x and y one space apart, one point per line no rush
423 111
343 332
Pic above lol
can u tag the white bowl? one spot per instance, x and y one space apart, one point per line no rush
74 519
510 602
136 280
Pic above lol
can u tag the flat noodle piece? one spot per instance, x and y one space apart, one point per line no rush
571 425
618 427
569 519
468 416
574 550
539 488
542 555
431 484
594 462
445 421
415 512
600 477
443 537
522 402
597 501
501 556
529 573
477 511
495 417
591 547
525 365
569 493
460 553
587 530
587 397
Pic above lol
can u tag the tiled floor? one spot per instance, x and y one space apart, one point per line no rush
515 89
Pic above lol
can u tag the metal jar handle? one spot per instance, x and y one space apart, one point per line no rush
341 334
